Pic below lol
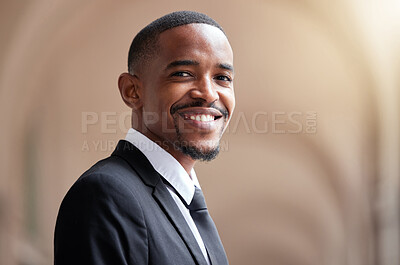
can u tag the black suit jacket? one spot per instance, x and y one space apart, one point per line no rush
120 212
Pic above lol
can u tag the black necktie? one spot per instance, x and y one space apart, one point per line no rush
208 231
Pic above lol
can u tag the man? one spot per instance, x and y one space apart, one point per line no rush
143 204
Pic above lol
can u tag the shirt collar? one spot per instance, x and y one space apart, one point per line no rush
165 164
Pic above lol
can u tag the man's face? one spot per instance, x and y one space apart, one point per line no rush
187 93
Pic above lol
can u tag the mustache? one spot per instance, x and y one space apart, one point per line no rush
224 111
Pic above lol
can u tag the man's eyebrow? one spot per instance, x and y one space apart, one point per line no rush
181 62
226 66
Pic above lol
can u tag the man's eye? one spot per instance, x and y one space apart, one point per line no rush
224 78
182 74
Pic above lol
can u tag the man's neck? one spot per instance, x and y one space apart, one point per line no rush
185 160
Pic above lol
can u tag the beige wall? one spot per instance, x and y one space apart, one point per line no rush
323 197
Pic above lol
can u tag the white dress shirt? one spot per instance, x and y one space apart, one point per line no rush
172 171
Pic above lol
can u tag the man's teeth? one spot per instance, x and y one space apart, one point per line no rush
201 117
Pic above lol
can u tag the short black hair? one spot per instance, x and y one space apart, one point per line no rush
145 42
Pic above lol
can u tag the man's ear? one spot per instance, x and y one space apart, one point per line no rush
129 87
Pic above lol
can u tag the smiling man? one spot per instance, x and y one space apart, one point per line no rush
144 204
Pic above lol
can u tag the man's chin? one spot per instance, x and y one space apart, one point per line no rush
201 153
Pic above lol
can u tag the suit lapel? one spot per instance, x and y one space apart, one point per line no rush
150 177
163 197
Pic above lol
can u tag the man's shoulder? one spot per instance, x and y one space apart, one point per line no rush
126 172
109 170
110 165
110 179
110 190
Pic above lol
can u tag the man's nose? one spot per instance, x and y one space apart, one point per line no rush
205 89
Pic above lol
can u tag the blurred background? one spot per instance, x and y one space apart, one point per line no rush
309 168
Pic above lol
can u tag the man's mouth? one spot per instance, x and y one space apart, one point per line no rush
200 117
195 111
200 114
